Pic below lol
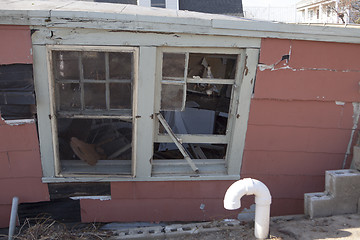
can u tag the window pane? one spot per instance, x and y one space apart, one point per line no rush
94 65
101 146
212 66
120 65
120 96
94 96
206 110
171 96
173 65
158 3
69 96
66 65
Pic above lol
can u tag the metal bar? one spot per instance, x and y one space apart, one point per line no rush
177 142
13 217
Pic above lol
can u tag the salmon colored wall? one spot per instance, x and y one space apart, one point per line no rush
15 44
296 131
20 166
160 201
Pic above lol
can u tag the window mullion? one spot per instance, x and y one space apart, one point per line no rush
107 77
82 98
185 77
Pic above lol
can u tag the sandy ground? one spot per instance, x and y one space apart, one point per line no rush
296 227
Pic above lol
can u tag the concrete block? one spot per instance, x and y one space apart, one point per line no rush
319 205
343 183
344 205
341 196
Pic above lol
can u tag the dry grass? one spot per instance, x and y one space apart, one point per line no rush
45 228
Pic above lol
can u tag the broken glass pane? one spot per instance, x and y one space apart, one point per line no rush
120 65
95 145
94 65
94 96
212 66
120 96
171 96
204 113
173 65
69 96
66 65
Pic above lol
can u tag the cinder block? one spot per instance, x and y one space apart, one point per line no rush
343 183
341 196
345 205
319 205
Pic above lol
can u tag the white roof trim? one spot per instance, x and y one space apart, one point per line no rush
119 17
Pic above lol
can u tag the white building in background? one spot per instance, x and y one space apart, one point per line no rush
270 10
319 11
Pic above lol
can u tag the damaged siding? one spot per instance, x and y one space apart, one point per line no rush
17 99
301 117
20 166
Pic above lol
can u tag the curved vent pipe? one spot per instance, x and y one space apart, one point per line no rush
248 186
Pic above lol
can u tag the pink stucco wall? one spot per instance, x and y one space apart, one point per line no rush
20 166
15 44
296 130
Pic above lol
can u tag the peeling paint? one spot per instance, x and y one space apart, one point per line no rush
18 122
101 198
263 67
356 113
339 103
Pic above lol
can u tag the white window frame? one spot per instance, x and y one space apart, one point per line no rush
148 58
232 163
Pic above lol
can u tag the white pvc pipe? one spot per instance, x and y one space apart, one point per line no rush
250 186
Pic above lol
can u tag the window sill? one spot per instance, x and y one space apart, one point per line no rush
126 179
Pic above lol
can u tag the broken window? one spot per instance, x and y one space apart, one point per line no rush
93 105
194 120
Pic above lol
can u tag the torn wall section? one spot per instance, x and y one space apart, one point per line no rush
17 98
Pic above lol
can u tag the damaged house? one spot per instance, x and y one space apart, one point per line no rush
116 112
